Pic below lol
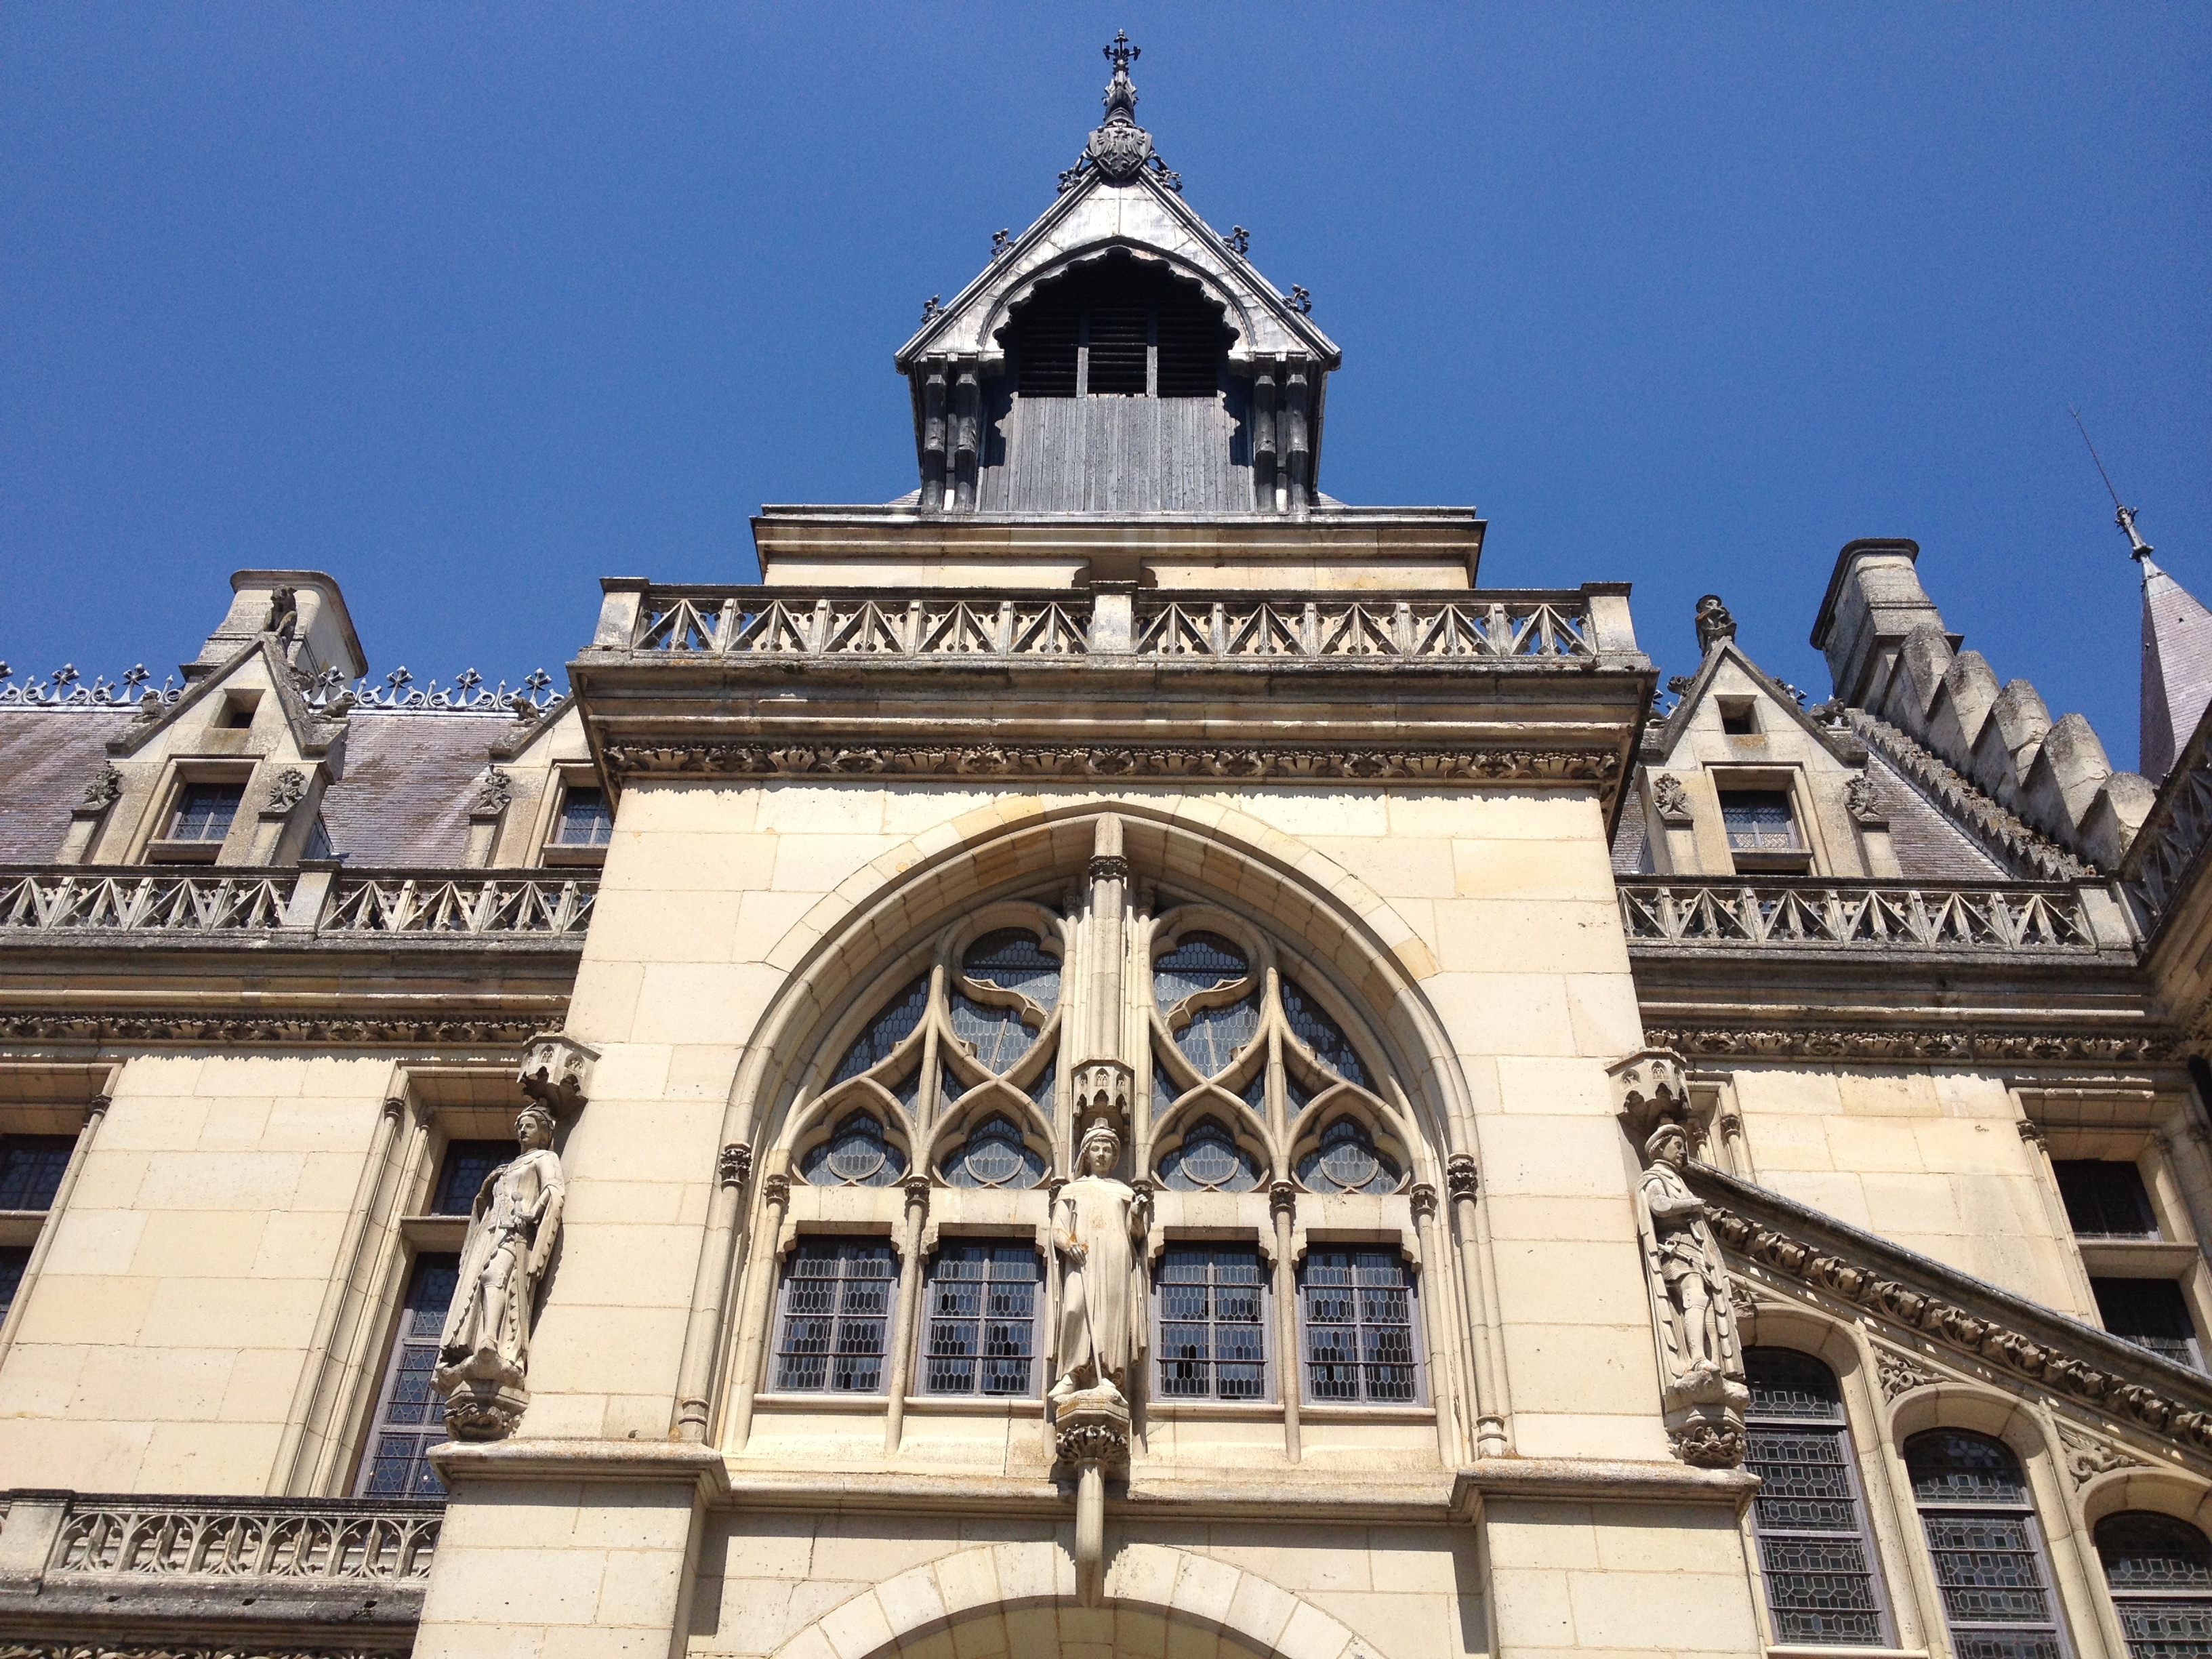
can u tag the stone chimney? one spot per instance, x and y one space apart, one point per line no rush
305 611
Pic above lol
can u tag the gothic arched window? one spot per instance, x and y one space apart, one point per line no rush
995 1155
2159 1570
1209 1160
1346 1161
1815 1548
1987 1549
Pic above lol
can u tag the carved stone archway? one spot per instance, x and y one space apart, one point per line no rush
1028 1591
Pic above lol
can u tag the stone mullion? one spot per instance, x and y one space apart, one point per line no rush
1289 1366
916 1187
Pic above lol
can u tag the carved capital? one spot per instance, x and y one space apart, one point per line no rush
734 1164
1108 867
394 1106
1729 1125
556 1071
1461 1178
1709 1444
1282 1198
1093 1426
916 1188
1423 1198
2031 1132
777 1189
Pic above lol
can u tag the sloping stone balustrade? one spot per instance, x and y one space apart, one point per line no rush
778 623
1729 912
79 901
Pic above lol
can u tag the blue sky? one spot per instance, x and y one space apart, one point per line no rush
470 305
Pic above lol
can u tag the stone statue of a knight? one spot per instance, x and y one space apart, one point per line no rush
1705 1393
484 1352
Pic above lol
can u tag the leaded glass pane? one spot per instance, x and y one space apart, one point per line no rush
1209 1160
205 811
997 1037
1987 1568
2006 1645
1787 1384
410 1417
856 1154
1949 1466
586 818
1214 1035
1200 962
1358 1327
1346 1161
1821 1589
1758 819
886 1032
30 1169
1813 1540
2149 1313
468 1165
980 1337
2159 1570
2143 1550
1012 960
1321 1034
1213 1341
2105 1198
836 1310
995 1155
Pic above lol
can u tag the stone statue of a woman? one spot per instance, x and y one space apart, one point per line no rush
1098 1228
484 1352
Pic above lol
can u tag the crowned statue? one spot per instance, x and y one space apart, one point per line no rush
484 1352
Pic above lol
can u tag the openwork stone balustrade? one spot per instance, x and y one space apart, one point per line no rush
129 1537
80 900
222 1563
1729 912
780 622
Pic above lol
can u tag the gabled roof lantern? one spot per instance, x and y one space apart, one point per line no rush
1119 356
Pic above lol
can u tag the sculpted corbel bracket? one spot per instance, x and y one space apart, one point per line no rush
1703 1391
556 1072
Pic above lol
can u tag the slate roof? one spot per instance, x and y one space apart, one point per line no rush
47 758
410 782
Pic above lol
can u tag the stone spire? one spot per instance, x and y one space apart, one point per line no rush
2177 666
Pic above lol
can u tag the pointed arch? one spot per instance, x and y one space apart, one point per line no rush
1031 1588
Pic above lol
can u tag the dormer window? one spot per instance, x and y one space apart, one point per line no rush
1118 328
1759 821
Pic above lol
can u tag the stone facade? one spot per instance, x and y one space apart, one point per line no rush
1557 1131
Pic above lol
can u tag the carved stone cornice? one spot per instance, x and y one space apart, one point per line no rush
303 1029
864 757
1956 1042
2002 1332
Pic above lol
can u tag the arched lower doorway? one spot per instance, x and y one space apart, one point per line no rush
1018 1601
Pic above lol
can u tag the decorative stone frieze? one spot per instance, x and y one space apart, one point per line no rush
1917 1043
74 900
865 757
290 1029
2011 1337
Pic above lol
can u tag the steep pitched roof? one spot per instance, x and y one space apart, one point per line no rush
2177 668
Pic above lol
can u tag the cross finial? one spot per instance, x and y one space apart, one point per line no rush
1121 54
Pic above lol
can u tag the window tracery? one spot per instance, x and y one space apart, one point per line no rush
1253 1072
